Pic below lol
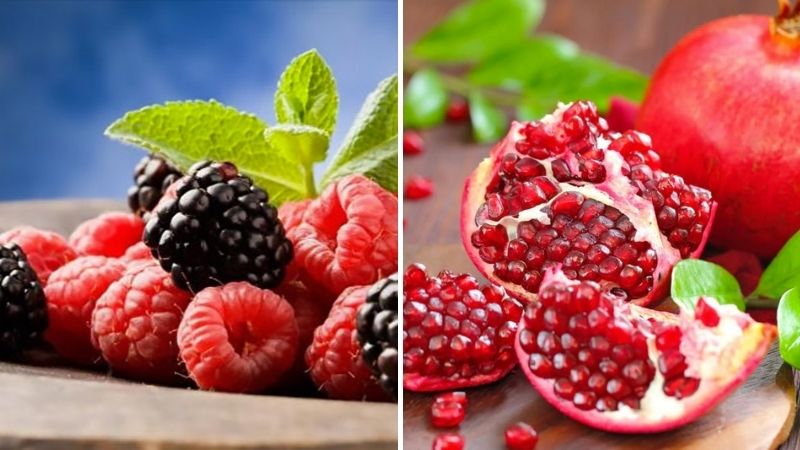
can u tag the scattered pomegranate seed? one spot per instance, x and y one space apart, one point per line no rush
412 143
448 441
521 436
458 110
706 314
446 414
455 397
418 187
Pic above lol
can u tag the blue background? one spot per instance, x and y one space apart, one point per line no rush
69 68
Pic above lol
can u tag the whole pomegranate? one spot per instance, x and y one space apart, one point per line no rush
723 109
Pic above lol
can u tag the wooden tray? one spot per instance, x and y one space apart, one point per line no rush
45 405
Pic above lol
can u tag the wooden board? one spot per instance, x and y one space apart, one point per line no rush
45 404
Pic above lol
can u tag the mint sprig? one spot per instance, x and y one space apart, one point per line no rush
783 273
693 278
279 158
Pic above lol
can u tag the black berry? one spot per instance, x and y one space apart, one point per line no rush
219 229
151 177
376 325
23 310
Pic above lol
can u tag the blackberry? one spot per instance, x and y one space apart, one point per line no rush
376 326
219 229
23 310
151 177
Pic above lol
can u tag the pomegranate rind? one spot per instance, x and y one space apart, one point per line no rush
425 383
745 358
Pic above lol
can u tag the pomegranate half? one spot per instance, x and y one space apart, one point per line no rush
619 367
722 106
567 191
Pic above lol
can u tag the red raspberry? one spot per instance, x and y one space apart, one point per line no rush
46 250
108 234
291 213
135 320
334 356
136 252
72 292
237 338
348 235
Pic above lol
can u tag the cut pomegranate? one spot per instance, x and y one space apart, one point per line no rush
448 441
418 187
567 191
446 414
620 367
521 436
456 333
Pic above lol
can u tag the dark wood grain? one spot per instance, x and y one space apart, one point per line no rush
46 404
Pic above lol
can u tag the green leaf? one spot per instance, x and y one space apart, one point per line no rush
307 93
488 122
693 278
783 273
789 327
479 29
515 67
370 147
302 143
425 102
190 131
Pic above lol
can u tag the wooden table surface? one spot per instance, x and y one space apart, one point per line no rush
633 32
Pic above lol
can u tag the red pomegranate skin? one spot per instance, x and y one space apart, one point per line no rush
723 109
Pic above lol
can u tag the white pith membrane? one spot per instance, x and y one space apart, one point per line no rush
617 191
721 357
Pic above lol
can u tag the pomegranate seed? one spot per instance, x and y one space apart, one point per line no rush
681 387
412 143
521 436
584 400
457 110
707 315
671 364
541 366
418 187
448 441
447 414
564 388
668 338
567 203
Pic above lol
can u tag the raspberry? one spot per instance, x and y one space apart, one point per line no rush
72 292
334 356
22 302
135 252
46 251
348 235
377 327
237 338
152 177
291 213
219 229
108 234
135 320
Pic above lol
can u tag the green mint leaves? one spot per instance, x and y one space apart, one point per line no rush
693 278
784 271
789 327
425 100
279 158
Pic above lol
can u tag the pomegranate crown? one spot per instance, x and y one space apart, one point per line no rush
786 24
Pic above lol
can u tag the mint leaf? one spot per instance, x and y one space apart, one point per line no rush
307 93
488 122
515 67
370 147
783 273
789 327
479 29
302 144
425 102
693 278
190 131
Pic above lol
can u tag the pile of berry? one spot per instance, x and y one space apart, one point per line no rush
208 281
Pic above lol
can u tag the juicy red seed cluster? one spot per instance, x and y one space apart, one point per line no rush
671 363
596 357
521 436
455 328
590 240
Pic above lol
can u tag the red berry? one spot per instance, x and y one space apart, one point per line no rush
412 143
334 357
135 320
521 436
457 110
448 441
418 187
291 213
348 236
237 338
72 292
46 250
446 414
135 252
108 234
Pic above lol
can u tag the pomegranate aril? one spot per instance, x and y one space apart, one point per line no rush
448 441
637 373
418 187
541 366
584 400
706 314
457 110
681 387
617 388
447 414
521 436
563 363
564 388
412 143
671 364
579 375
668 337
